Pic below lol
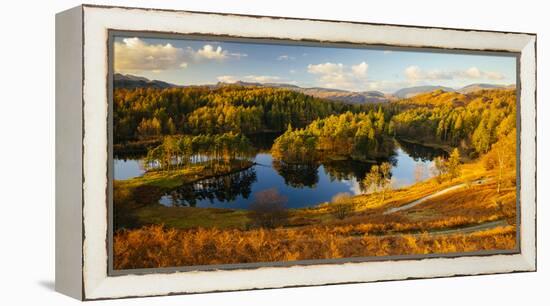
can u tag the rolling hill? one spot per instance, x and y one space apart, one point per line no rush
346 96
481 86
409 92
131 81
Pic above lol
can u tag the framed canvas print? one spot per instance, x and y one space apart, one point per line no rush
201 152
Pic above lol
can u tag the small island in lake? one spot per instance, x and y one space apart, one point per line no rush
259 168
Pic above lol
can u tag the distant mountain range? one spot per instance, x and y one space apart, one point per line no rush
131 81
416 90
324 93
356 97
476 87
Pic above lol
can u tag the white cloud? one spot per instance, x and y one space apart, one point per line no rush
415 73
285 57
360 70
134 54
227 79
262 78
254 79
337 75
442 75
375 85
210 52
473 72
494 75
238 55
326 68
249 78
387 86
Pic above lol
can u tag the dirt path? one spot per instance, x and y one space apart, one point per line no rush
433 195
470 229
459 230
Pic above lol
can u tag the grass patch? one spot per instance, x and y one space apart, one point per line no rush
130 196
193 217
180 236
157 246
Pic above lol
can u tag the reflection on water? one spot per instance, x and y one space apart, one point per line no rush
127 168
297 175
413 163
301 191
303 185
347 170
422 153
225 188
403 172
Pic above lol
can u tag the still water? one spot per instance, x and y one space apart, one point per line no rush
302 185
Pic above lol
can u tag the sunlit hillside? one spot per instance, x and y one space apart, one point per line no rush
466 200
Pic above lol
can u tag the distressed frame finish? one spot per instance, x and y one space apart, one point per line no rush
112 34
82 110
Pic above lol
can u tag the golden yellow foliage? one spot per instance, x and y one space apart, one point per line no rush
156 246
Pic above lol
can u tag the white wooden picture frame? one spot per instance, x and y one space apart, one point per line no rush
82 106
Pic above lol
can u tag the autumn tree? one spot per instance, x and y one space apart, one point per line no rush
474 121
379 179
501 157
419 172
340 205
217 150
201 110
481 138
149 128
170 127
268 209
358 136
453 164
440 168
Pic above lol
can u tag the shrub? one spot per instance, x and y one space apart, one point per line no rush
340 205
268 209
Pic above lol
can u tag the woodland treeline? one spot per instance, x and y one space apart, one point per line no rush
471 122
146 113
213 124
182 150
361 136
211 128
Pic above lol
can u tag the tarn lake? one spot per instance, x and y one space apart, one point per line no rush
302 185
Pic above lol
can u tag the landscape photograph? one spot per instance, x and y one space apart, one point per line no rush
228 152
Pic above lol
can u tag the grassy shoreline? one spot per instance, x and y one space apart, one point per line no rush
444 147
362 206
144 191
442 224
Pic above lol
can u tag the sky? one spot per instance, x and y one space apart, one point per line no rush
199 62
